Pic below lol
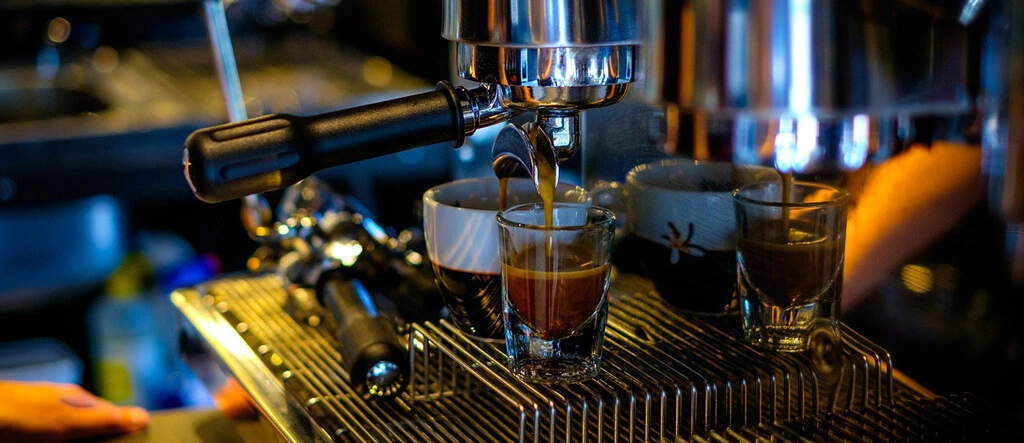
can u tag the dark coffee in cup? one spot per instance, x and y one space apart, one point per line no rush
555 269
789 249
700 283
473 300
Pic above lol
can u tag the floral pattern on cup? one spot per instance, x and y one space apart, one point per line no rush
677 244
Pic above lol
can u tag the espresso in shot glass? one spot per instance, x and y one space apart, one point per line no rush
461 233
555 281
790 250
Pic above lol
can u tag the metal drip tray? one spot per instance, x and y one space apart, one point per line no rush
939 419
665 376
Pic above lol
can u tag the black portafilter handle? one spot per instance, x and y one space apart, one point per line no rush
274 151
377 363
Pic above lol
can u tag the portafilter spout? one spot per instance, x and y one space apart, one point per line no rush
552 138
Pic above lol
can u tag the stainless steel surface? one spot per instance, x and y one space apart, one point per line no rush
825 58
801 143
755 62
909 419
542 23
210 319
566 77
562 98
482 107
665 376
564 130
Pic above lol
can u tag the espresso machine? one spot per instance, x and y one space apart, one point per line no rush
849 82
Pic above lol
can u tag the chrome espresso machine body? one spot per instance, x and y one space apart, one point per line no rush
848 80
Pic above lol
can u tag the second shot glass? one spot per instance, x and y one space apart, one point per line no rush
790 248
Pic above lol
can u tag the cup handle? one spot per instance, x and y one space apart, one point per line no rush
612 195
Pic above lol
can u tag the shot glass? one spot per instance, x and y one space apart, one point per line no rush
555 290
789 251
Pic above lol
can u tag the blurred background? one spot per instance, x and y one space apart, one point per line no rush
98 225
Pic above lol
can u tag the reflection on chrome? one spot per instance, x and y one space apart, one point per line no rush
801 61
854 145
794 151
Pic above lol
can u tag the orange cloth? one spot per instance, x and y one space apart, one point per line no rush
904 205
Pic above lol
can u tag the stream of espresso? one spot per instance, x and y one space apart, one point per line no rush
549 278
546 187
503 193
787 198
546 183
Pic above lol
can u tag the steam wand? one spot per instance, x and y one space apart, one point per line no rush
255 209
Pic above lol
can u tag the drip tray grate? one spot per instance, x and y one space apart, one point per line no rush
957 418
665 376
